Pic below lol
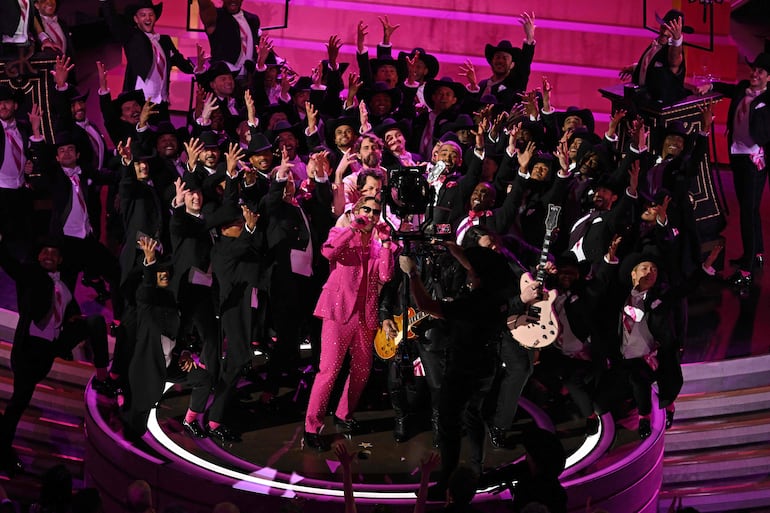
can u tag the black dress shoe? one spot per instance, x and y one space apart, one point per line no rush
497 437
645 429
350 426
222 434
670 418
401 430
739 280
315 441
759 259
194 429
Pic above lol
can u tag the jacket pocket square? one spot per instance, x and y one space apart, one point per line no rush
759 105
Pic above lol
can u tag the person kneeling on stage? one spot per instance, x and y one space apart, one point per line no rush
158 358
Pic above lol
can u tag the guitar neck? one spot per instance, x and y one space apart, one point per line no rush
543 257
417 317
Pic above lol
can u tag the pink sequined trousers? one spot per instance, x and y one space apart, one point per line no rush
336 340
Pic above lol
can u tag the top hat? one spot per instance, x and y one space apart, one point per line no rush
676 128
127 96
216 69
584 114
390 124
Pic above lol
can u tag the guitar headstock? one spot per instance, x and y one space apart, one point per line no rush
552 219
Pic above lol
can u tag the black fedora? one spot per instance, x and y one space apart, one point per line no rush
502 46
432 86
132 9
65 139
377 63
670 16
303 84
192 182
430 61
128 96
285 126
333 124
258 144
8 93
463 122
391 124
216 69
140 152
761 61
366 94
325 68
209 139
584 114
77 96
676 128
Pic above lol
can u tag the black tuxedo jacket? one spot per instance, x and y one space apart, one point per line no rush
225 40
516 81
759 112
138 49
191 244
34 293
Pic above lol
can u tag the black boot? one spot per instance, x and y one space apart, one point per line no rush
401 428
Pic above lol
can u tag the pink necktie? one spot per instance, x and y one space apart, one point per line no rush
53 34
244 38
160 60
16 148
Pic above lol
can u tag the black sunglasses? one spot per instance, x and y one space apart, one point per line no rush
368 210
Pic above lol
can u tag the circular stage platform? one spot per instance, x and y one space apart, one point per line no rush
270 470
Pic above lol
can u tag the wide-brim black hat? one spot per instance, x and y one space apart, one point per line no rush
209 139
670 16
607 182
463 122
333 124
676 128
430 61
8 93
432 85
141 152
761 61
649 254
376 63
303 83
267 112
191 182
584 114
77 96
503 46
285 126
366 94
168 128
127 96
584 134
390 124
258 144
216 69
226 214
132 9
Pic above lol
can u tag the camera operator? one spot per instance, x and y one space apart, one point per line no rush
475 318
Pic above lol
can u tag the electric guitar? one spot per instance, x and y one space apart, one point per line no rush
539 325
384 346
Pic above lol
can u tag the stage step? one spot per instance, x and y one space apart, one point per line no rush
718 432
725 375
708 404
742 494
68 372
696 466
50 395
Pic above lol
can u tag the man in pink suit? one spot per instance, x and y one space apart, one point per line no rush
360 262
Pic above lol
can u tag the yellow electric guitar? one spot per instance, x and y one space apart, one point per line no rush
384 346
539 325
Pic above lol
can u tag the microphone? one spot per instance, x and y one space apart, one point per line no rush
438 168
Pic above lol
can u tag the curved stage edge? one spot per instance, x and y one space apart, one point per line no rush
624 478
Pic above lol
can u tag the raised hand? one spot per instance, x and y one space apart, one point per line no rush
233 156
513 132
674 27
249 217
180 191
527 21
469 72
363 113
633 177
124 150
264 47
312 116
707 115
200 59
613 249
333 50
387 29
148 109
101 74
36 119
662 208
61 70
193 147
361 32
148 246
411 67
626 72
617 116
523 157
546 88
354 84
209 106
251 110
562 153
